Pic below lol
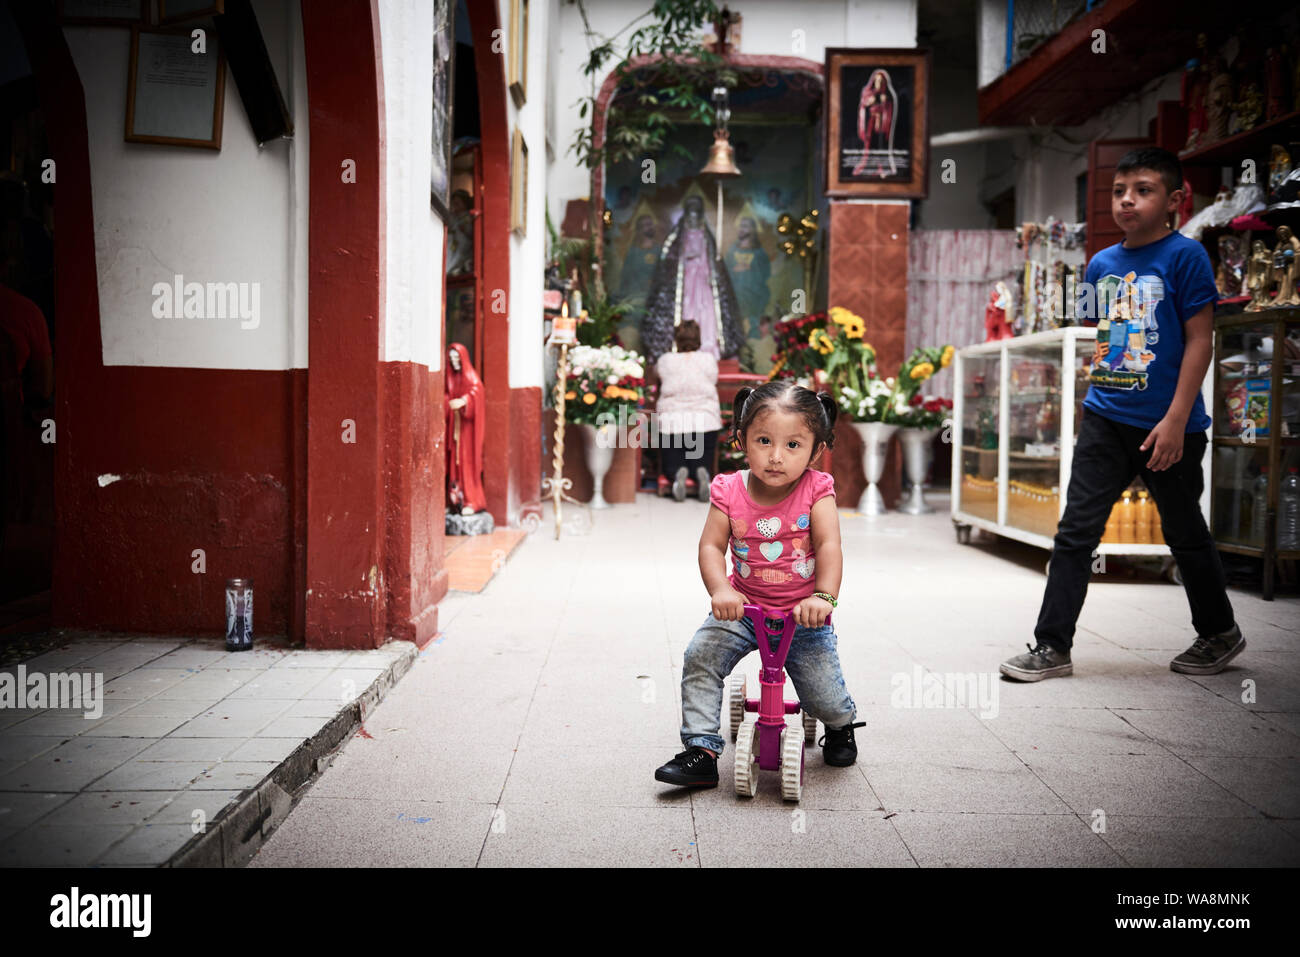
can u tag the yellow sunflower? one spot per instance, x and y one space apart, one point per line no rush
820 341
922 371
855 329
946 358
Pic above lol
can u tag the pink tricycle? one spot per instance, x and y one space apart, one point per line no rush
769 743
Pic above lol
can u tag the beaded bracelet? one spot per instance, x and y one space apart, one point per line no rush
827 598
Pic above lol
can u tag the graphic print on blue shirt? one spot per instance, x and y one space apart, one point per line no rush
1141 298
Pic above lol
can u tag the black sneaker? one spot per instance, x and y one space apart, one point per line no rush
838 747
679 484
693 768
1041 662
1209 656
702 484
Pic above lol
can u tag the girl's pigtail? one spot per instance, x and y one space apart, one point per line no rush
830 411
738 414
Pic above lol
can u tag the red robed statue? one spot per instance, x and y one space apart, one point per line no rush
465 424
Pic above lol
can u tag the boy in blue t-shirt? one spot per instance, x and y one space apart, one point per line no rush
1153 298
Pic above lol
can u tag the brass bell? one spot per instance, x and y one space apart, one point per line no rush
722 156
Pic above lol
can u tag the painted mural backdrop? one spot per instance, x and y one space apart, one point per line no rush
774 165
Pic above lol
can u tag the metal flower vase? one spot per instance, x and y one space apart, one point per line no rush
598 443
876 437
918 453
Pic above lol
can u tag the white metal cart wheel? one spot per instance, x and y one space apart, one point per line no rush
809 729
791 764
737 704
747 761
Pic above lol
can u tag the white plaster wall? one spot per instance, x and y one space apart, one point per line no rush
775 27
227 216
991 39
1046 183
528 252
414 232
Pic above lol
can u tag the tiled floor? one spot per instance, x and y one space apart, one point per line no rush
472 560
183 729
531 738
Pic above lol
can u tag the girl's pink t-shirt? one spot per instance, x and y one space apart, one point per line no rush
772 561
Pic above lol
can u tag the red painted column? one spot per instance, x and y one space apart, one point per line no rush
502 446
867 274
345 564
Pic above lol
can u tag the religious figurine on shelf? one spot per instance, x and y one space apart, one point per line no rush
464 435
1285 258
1231 261
996 325
1218 103
691 282
1258 276
1247 110
1279 168
1275 84
1195 88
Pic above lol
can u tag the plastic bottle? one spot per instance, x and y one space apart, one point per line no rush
1127 516
1142 524
1111 535
1259 508
1157 528
1288 511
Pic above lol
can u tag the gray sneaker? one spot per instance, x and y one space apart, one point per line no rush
1209 656
1041 662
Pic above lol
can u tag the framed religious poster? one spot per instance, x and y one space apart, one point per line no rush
519 185
178 11
102 13
877 123
444 66
519 51
175 95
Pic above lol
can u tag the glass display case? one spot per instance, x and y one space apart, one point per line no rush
1016 415
1255 480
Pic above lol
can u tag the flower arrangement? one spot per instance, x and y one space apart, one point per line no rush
923 413
796 357
894 400
603 379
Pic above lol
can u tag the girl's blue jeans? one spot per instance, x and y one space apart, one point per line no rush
813 664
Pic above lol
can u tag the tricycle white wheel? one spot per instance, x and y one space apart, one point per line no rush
809 729
737 704
747 761
791 764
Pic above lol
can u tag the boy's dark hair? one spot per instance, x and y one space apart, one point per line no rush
1158 161
818 411
687 336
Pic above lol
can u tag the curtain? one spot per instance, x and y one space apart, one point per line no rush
949 275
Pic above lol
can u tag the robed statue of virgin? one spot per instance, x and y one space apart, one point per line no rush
690 282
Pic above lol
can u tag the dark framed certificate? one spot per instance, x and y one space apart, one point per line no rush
174 94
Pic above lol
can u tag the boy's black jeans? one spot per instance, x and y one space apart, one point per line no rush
1106 457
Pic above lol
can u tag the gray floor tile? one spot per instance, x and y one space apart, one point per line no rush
107 809
72 766
18 809
1270 785
1214 732
1029 731
152 776
741 835
589 836
1201 842
1135 784
182 805
68 846
363 832
1002 840
972 782
148 844
238 775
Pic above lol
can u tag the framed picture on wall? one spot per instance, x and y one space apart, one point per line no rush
877 123
178 11
444 66
175 96
102 13
519 185
519 51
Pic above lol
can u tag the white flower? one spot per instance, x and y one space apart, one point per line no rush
612 379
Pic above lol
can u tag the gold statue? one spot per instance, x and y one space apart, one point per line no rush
1258 275
1284 267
